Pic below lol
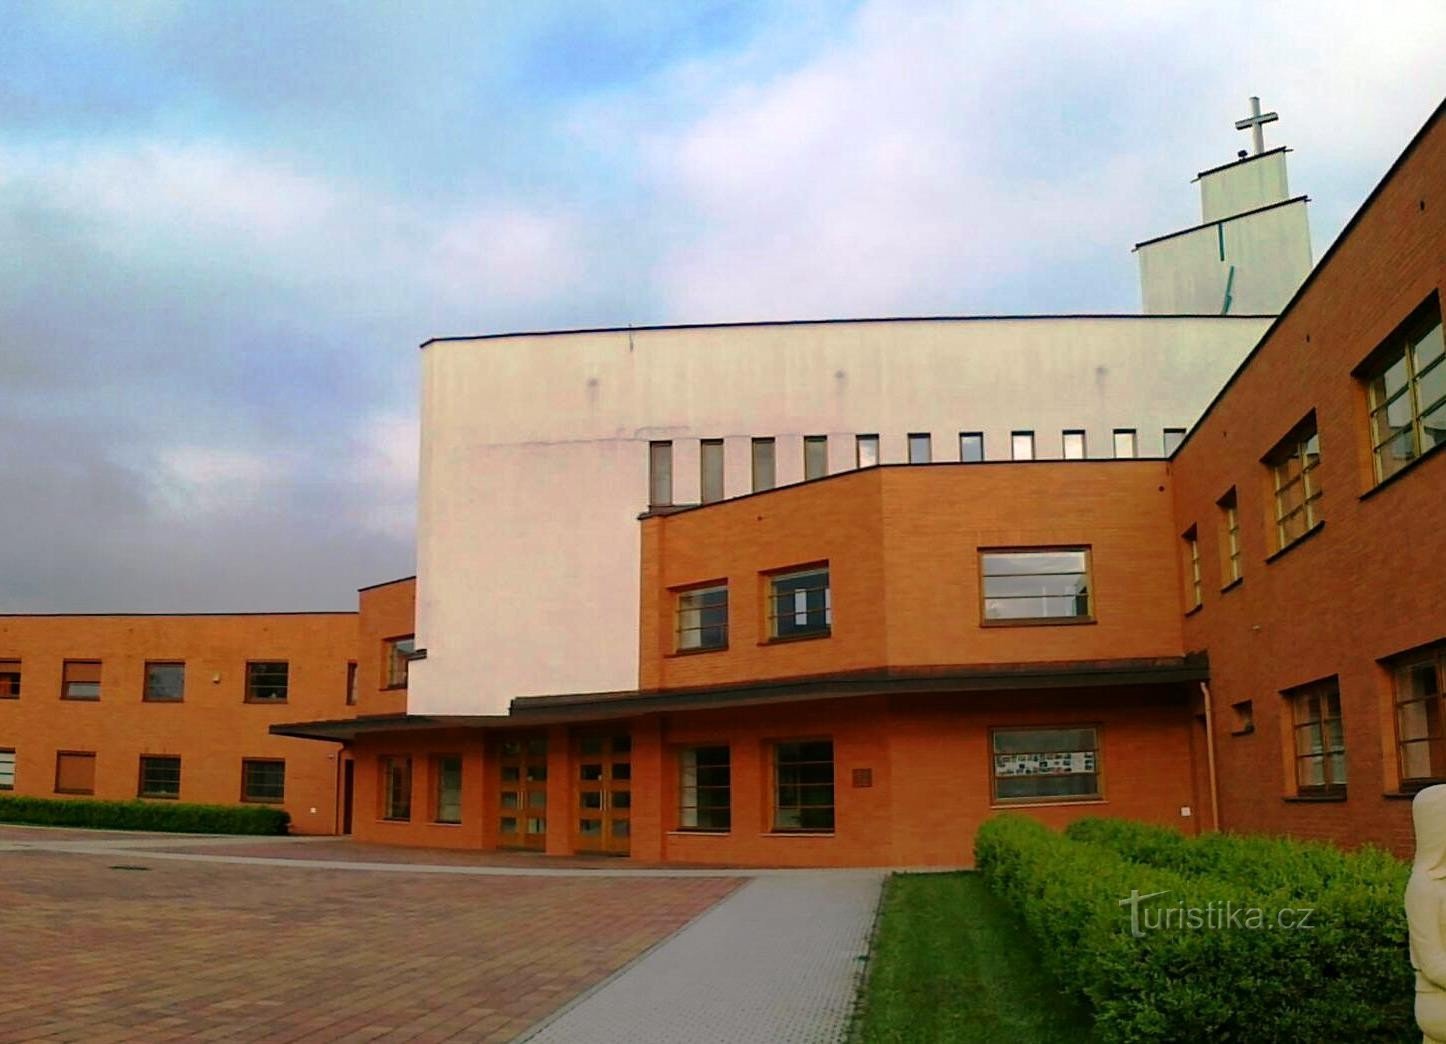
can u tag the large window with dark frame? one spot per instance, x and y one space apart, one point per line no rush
165 682
9 679
1320 739
1294 467
764 474
267 681
704 789
710 470
660 474
397 656
800 604
160 777
803 786
1406 392
447 784
263 780
1229 538
1030 584
1046 764
1194 589
80 680
396 787
703 618
1420 689
815 456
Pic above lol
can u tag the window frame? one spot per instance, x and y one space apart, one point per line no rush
1295 448
815 446
860 441
1321 691
771 597
247 797
1133 434
1014 437
94 761
252 684
704 588
763 464
965 438
776 805
438 778
711 486
391 659
388 812
146 696
1091 594
12 679
66 683
1231 562
1096 797
920 447
1064 439
1400 347
1195 585
151 795
660 473
1165 439
696 808
1435 656
11 753
351 683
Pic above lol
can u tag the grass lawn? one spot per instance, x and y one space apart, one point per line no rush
952 963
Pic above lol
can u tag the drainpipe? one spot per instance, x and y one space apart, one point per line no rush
1210 758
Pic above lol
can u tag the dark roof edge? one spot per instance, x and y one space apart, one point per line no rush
1241 161
833 322
1221 221
1320 265
386 583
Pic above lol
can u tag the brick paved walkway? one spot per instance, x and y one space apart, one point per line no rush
206 950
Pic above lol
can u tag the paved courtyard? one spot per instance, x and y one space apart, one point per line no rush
186 950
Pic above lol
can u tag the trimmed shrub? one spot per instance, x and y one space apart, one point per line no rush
168 817
1347 977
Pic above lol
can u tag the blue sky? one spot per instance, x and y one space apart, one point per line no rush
229 225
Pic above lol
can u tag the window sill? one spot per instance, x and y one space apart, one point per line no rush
1052 621
696 652
800 833
446 822
1194 608
698 832
394 688
1055 803
266 703
1405 469
1409 788
785 639
80 699
155 699
158 797
392 819
1244 732
1315 799
1233 584
9 697
74 793
262 801
1312 531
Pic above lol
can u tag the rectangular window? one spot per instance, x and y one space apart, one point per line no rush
1293 467
7 768
351 684
397 656
80 680
703 618
1074 445
263 779
396 787
1420 688
660 474
75 772
1042 584
1229 538
1046 764
1125 446
971 447
1406 392
165 682
710 470
266 681
764 476
815 456
921 449
160 777
867 449
447 774
1243 713
803 786
1320 741
9 679
800 604
704 789
1173 438
1194 593
1021 445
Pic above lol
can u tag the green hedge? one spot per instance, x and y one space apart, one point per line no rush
1345 978
170 817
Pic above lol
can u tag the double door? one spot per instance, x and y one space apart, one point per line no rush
604 789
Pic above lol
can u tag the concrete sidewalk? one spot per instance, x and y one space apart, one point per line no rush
777 962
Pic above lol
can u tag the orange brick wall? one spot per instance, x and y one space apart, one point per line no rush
902 545
387 611
1372 582
211 730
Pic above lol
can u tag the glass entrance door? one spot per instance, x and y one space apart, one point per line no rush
604 793
522 792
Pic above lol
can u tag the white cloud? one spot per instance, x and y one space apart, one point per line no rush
385 464
200 480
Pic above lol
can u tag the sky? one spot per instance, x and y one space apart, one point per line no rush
225 228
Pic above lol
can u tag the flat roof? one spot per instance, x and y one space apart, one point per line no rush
1067 316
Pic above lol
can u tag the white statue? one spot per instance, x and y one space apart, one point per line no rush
1426 912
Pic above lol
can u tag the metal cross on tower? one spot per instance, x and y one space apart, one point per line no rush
1256 123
